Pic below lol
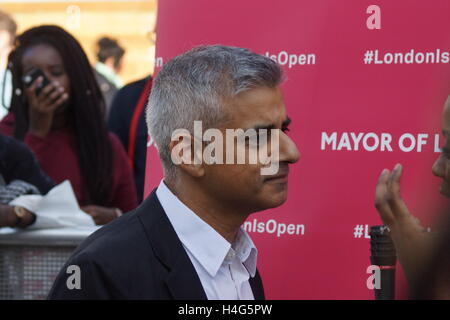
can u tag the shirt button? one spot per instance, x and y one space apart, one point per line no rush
230 255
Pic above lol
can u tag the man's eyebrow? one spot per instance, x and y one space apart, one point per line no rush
264 126
285 123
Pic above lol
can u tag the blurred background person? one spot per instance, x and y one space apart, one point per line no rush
8 30
127 121
64 123
414 245
108 67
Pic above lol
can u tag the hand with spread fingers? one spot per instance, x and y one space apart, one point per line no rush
410 238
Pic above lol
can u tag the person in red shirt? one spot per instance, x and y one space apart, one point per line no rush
63 122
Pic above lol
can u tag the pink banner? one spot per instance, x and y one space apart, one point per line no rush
365 85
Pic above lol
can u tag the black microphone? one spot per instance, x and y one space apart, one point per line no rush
384 256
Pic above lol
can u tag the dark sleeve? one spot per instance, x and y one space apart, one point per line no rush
122 108
21 164
93 283
125 195
119 118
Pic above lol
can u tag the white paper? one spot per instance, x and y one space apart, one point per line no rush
57 209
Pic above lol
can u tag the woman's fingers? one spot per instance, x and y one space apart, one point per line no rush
50 97
388 201
382 198
46 91
54 95
397 205
59 101
31 90
100 215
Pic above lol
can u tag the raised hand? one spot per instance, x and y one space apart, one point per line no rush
410 238
43 106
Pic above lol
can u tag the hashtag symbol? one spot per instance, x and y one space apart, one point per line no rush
358 231
368 57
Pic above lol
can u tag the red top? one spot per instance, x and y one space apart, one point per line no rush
57 156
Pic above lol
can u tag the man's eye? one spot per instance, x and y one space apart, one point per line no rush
252 141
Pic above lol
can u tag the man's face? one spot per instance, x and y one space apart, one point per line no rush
242 185
441 167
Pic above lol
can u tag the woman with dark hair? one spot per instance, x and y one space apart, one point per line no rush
60 116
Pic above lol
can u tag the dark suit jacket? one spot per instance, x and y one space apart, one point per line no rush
18 162
122 109
137 256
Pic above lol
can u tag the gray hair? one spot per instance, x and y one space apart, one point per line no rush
196 85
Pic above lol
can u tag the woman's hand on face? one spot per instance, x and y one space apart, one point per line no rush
100 215
43 106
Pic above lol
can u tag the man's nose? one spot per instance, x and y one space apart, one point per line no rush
288 150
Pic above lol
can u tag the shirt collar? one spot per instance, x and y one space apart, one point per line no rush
246 251
207 246
109 74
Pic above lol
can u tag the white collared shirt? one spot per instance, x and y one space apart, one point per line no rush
7 84
223 269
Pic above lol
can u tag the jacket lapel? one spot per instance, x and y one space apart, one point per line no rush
182 280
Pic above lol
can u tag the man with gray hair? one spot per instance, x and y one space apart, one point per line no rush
186 241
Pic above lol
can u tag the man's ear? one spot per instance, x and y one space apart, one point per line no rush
186 154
